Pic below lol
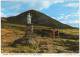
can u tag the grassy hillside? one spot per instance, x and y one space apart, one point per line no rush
68 42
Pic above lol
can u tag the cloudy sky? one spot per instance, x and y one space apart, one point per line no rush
66 11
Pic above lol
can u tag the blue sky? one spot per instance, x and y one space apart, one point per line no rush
65 11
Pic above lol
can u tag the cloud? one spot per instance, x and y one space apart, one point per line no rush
37 4
77 21
72 5
61 16
2 14
42 4
45 4
71 0
67 17
9 0
71 19
17 6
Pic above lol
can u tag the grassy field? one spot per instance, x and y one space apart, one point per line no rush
63 44
70 31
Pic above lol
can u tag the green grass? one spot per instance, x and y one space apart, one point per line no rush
70 31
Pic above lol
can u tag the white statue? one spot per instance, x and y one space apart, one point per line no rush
28 18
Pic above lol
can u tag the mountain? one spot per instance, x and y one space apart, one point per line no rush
38 18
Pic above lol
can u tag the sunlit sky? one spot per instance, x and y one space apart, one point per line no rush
65 11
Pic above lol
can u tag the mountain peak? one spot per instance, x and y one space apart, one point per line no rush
32 10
